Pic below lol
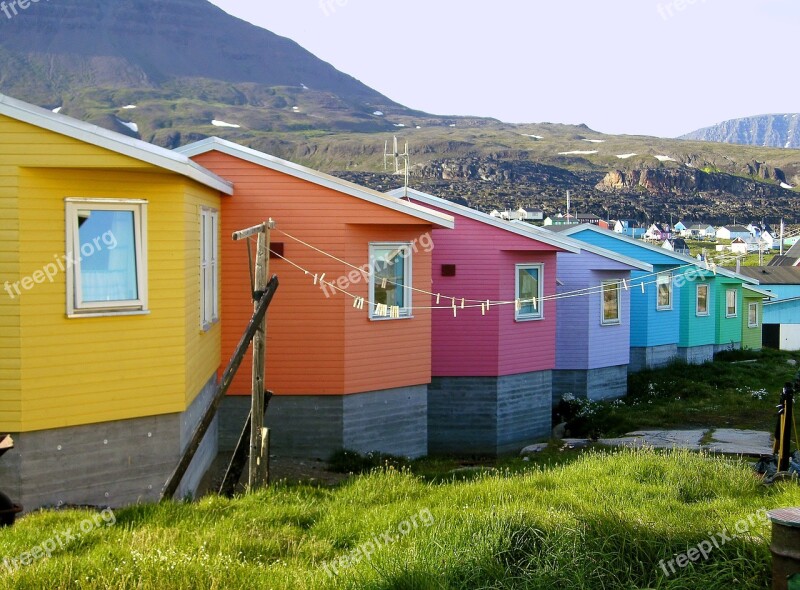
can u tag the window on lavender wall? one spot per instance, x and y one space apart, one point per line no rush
731 303
664 291
390 280
752 315
108 253
611 303
702 300
529 292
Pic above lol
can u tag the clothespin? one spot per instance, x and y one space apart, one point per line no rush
322 279
455 311
462 303
714 268
483 309
438 296
383 283
624 285
316 279
642 284
358 303
395 311
517 305
534 303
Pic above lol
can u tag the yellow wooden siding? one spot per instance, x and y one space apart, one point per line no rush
79 371
203 346
10 357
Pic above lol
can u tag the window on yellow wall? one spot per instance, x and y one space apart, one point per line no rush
209 267
752 315
106 256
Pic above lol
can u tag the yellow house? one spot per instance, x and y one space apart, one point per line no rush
109 328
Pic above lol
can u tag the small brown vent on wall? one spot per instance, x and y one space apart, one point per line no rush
275 249
448 270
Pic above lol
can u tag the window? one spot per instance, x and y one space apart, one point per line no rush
106 256
731 304
390 280
664 296
209 286
702 300
529 292
752 315
611 303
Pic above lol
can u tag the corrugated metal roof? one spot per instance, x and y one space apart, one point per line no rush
772 275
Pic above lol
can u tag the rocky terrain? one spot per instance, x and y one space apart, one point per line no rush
781 131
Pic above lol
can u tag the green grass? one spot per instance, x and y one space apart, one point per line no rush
727 393
606 520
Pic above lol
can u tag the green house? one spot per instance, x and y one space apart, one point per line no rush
753 316
730 314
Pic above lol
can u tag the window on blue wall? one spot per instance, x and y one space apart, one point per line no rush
611 303
390 280
529 292
731 303
752 315
702 300
106 256
664 291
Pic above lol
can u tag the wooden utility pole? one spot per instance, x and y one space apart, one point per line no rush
259 453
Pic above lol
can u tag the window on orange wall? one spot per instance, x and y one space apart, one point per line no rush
390 280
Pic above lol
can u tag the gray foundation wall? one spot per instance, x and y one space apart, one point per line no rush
697 355
652 357
488 415
728 346
108 464
392 421
594 384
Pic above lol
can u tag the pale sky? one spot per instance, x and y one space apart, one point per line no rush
650 67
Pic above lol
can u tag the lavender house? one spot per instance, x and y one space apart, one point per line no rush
593 323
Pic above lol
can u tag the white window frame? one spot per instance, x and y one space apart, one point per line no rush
659 276
750 307
697 311
538 313
209 267
616 288
76 308
405 311
735 303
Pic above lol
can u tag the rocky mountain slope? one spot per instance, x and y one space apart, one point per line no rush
782 131
175 71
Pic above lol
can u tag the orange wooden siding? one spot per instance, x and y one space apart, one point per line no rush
318 345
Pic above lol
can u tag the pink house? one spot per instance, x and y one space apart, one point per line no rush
491 386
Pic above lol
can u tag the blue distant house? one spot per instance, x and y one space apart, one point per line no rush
681 309
679 228
593 332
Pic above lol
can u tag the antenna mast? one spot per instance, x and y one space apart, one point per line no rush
405 156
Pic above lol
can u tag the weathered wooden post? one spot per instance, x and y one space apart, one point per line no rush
785 548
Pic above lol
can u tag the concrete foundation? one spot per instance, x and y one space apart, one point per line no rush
595 384
697 355
652 357
728 346
488 415
392 421
108 464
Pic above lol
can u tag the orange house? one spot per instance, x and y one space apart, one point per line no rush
345 375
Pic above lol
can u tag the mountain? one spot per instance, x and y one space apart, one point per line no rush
781 131
175 71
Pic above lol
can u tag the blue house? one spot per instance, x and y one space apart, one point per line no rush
781 322
592 357
679 310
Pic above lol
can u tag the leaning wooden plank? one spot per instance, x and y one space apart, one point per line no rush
227 378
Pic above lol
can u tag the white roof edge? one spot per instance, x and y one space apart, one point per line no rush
658 249
760 291
111 140
527 231
316 177
787 300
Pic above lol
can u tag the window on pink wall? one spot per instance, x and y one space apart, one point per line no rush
529 292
